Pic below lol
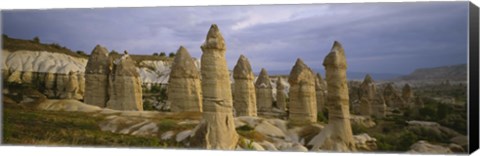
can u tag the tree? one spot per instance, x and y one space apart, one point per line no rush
155 54
171 54
162 54
36 39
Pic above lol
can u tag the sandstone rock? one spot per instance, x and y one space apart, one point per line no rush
268 129
245 101
184 89
124 86
367 95
379 109
167 135
50 79
264 92
71 87
392 98
407 95
364 142
281 95
217 129
362 121
183 135
15 77
27 77
303 102
81 86
337 135
427 148
96 77
321 92
61 81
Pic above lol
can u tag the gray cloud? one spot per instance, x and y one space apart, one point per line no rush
377 37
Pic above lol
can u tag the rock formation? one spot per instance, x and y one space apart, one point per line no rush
392 99
217 129
321 91
96 77
184 90
337 135
264 92
72 87
303 101
367 94
124 86
281 95
407 95
379 108
419 102
245 101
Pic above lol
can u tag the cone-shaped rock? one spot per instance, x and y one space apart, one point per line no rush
337 135
217 129
407 95
392 98
281 95
367 94
264 92
303 101
321 91
96 77
125 89
244 91
184 89
379 108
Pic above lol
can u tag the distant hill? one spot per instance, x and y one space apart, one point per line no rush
351 75
452 72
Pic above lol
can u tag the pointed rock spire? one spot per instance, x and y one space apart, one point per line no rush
243 69
368 79
281 95
184 90
214 39
244 91
337 135
263 80
183 65
303 104
98 62
264 92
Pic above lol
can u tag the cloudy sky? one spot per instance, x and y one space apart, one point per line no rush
377 37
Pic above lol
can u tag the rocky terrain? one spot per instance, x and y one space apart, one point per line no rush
452 73
181 102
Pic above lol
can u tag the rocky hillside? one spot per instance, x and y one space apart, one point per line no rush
31 56
452 73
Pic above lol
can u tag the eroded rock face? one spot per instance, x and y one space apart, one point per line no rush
217 129
281 95
124 86
392 99
379 109
96 77
245 101
184 90
303 102
407 95
337 135
264 92
367 95
321 91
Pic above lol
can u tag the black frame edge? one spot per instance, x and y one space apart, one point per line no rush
473 78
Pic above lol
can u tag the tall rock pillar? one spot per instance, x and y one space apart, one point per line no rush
245 99
218 123
264 92
337 135
303 101
321 91
184 89
281 95
96 77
